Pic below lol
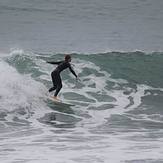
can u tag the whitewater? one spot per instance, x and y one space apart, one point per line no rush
116 50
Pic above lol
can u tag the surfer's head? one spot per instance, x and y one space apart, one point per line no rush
67 58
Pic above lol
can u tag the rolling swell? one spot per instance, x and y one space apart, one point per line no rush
137 67
133 69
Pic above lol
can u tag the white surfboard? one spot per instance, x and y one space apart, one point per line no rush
60 103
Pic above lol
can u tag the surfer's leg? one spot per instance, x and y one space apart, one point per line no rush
52 89
59 85
54 82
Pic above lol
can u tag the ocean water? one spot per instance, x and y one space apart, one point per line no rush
116 50
81 25
117 115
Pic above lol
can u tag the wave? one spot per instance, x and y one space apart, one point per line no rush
113 83
113 103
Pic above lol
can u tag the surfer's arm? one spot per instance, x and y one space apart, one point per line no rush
54 63
72 71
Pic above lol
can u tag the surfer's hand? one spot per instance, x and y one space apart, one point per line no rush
77 78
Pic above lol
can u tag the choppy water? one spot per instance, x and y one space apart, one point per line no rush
117 117
81 25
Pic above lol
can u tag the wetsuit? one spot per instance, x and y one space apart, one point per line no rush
56 78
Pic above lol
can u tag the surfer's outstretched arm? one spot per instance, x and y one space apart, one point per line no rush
72 71
55 63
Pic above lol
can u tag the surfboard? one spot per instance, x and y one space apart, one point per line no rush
60 103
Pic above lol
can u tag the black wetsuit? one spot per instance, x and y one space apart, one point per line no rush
57 82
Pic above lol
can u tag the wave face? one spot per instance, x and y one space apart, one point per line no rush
118 108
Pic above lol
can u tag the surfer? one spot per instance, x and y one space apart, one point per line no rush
56 78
